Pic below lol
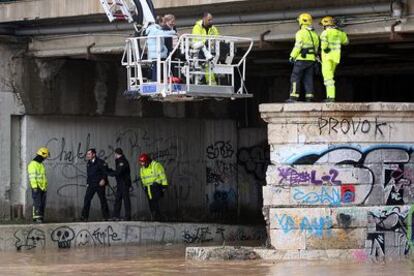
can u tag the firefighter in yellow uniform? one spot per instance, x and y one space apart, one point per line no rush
332 38
154 182
303 57
38 183
205 27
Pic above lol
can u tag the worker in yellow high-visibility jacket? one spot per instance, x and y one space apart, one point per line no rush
205 27
332 38
303 58
154 182
38 183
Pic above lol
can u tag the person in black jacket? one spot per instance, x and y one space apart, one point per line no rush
122 175
96 181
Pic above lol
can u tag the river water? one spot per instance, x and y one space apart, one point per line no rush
169 260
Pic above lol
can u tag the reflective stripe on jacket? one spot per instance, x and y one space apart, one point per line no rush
154 173
37 175
306 38
333 39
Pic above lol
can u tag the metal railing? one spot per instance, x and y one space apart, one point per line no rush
204 62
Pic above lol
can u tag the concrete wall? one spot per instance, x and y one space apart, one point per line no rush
78 235
341 177
213 176
45 9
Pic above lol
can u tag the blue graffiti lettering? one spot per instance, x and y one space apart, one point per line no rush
319 227
324 196
316 226
286 222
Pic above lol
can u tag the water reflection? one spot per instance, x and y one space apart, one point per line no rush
169 260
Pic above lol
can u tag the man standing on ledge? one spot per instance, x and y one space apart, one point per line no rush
303 58
332 38
96 181
122 175
38 183
154 181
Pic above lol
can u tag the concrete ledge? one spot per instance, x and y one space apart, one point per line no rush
215 253
75 235
336 107
225 253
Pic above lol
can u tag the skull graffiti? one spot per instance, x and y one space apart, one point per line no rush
63 236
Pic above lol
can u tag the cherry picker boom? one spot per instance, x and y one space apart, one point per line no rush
198 67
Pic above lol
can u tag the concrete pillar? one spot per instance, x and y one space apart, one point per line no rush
10 105
341 178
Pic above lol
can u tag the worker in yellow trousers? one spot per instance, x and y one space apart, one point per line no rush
332 39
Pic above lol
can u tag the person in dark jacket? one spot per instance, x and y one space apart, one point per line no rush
168 25
122 175
96 181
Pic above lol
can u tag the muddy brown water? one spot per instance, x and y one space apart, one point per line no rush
169 260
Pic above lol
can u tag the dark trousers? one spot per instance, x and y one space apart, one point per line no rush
39 204
122 193
154 71
302 79
90 192
154 203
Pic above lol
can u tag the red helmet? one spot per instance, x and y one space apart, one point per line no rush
143 158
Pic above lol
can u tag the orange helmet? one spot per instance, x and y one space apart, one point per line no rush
144 158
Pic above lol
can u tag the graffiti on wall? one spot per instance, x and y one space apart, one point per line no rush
387 233
356 172
63 236
324 196
77 236
312 226
352 126
27 239
196 174
291 176
254 160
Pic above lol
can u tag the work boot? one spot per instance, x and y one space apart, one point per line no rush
309 100
83 219
38 221
291 100
329 100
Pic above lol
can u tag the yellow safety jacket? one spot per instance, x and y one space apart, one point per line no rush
333 39
37 175
198 29
154 173
306 44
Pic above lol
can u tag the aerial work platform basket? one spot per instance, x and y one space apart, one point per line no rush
198 67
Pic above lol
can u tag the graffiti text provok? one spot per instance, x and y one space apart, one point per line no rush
350 126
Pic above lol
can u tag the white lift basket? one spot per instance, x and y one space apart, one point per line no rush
198 67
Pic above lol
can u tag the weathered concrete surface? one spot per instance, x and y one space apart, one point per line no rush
45 9
341 177
224 253
75 235
215 173
10 109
